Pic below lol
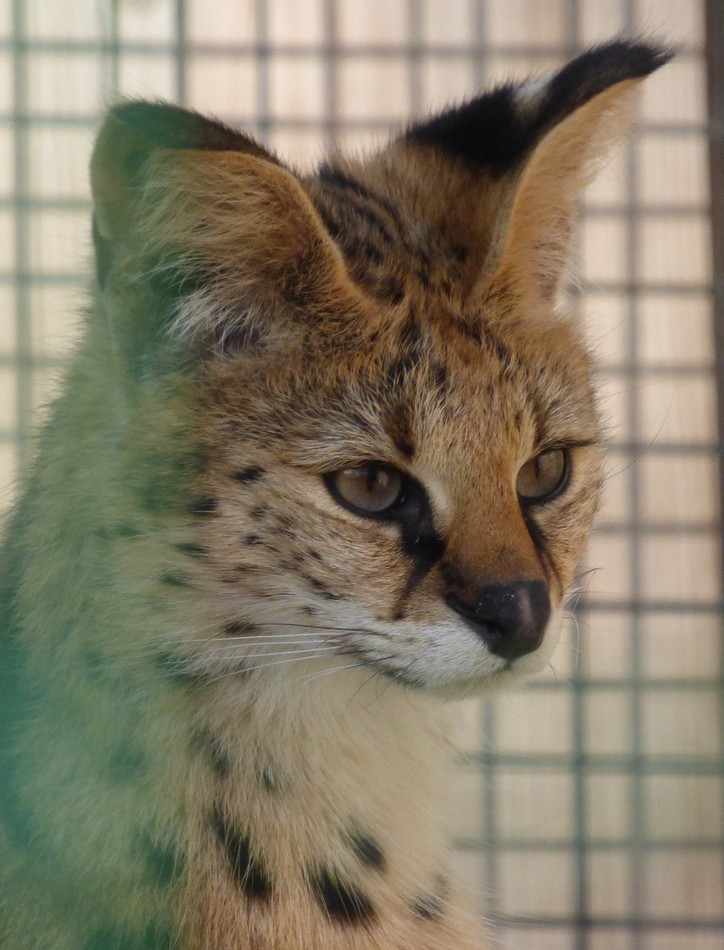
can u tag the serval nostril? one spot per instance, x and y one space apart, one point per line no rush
510 618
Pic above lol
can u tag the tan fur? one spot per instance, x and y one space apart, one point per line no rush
203 672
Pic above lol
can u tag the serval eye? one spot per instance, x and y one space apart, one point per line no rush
369 489
543 477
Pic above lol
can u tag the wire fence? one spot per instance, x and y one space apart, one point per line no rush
589 805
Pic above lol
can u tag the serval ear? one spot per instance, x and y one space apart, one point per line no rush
506 168
214 234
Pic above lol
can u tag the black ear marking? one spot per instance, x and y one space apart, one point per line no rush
103 254
495 131
165 126
465 131
140 129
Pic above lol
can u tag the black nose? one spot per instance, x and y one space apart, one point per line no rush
510 618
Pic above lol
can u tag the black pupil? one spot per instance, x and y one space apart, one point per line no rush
377 479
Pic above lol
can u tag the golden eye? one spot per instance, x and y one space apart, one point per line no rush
372 488
543 477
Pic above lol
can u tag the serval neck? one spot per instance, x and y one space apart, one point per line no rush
329 786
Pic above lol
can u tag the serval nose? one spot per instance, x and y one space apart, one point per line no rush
510 618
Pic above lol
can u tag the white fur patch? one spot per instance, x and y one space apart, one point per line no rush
528 95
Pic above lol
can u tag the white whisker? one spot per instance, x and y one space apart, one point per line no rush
253 656
261 666
334 669
261 641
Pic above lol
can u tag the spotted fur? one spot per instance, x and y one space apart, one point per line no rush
221 684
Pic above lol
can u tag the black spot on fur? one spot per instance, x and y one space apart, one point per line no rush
163 861
398 419
423 275
172 579
332 223
211 747
252 539
203 506
399 371
251 474
154 494
502 351
342 901
321 587
175 670
284 521
460 253
364 250
247 870
126 762
427 907
341 180
271 780
440 376
239 629
116 532
410 349
398 416
399 427
471 330
432 905
390 289
192 549
367 849
373 221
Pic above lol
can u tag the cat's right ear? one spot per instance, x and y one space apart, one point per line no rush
207 227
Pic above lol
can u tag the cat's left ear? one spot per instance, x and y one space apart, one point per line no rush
206 229
507 168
